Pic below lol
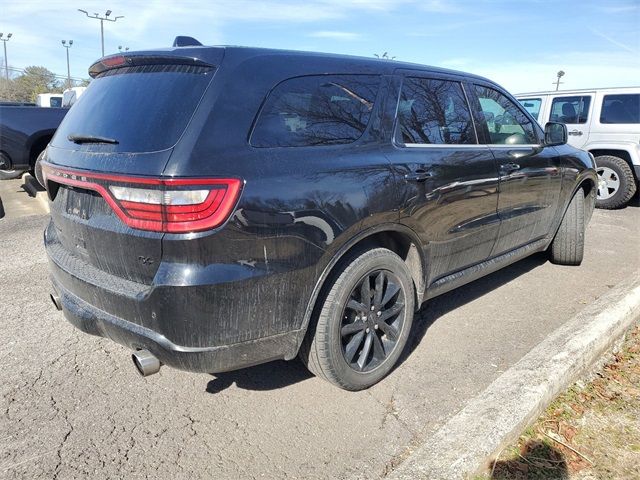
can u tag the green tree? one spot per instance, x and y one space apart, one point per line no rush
36 80
31 82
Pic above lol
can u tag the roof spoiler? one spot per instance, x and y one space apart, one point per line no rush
132 60
182 41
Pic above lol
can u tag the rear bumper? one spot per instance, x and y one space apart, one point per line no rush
195 359
204 316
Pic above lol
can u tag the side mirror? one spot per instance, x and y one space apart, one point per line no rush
555 134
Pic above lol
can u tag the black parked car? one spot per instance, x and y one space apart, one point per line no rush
219 207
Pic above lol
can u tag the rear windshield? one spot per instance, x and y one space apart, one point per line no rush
144 108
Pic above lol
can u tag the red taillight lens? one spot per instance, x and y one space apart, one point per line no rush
173 205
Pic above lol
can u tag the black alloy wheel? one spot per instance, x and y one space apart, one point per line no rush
372 320
363 321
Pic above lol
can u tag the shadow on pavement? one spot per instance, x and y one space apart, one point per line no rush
280 374
1 208
439 306
536 461
269 376
635 201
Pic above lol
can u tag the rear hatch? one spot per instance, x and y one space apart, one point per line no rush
110 205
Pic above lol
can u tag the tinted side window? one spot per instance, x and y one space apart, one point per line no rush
621 109
532 105
316 110
55 102
570 109
505 122
434 112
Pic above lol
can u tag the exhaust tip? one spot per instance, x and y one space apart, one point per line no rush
56 301
146 362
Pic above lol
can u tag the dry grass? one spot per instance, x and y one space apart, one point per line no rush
592 431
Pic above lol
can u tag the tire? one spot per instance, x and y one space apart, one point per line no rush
349 345
10 174
616 184
37 169
567 247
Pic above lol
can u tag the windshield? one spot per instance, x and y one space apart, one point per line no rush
532 105
144 108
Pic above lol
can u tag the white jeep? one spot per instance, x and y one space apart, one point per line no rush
604 122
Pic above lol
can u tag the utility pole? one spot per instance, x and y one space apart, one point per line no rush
102 19
6 62
558 82
67 47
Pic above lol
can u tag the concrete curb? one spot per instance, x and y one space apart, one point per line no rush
498 415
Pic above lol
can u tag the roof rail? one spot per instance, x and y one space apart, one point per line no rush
183 41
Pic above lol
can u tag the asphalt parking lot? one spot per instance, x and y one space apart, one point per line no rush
73 405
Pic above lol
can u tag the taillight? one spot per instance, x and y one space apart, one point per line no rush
173 205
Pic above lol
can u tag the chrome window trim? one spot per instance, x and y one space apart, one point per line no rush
469 145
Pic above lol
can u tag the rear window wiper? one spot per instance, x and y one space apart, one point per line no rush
79 138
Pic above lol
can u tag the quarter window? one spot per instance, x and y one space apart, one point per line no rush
621 109
570 109
433 112
505 122
316 110
532 105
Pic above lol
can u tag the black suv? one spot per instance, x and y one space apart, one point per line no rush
214 208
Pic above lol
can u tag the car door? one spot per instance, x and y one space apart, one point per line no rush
529 173
575 112
447 182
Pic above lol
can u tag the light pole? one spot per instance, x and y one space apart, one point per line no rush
6 62
67 47
558 82
102 19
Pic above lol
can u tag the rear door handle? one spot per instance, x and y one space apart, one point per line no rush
419 175
575 132
509 167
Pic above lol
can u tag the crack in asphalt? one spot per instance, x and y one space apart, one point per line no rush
58 466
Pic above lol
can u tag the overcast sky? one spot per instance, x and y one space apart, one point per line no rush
520 44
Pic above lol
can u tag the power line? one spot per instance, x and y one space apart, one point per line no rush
63 77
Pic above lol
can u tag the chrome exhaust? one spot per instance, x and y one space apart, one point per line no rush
146 362
56 301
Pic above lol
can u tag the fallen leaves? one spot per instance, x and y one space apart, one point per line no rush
591 429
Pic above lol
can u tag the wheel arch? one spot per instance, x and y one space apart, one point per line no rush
590 188
398 238
38 143
587 181
614 152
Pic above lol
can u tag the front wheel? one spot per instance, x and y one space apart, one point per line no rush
567 247
364 322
